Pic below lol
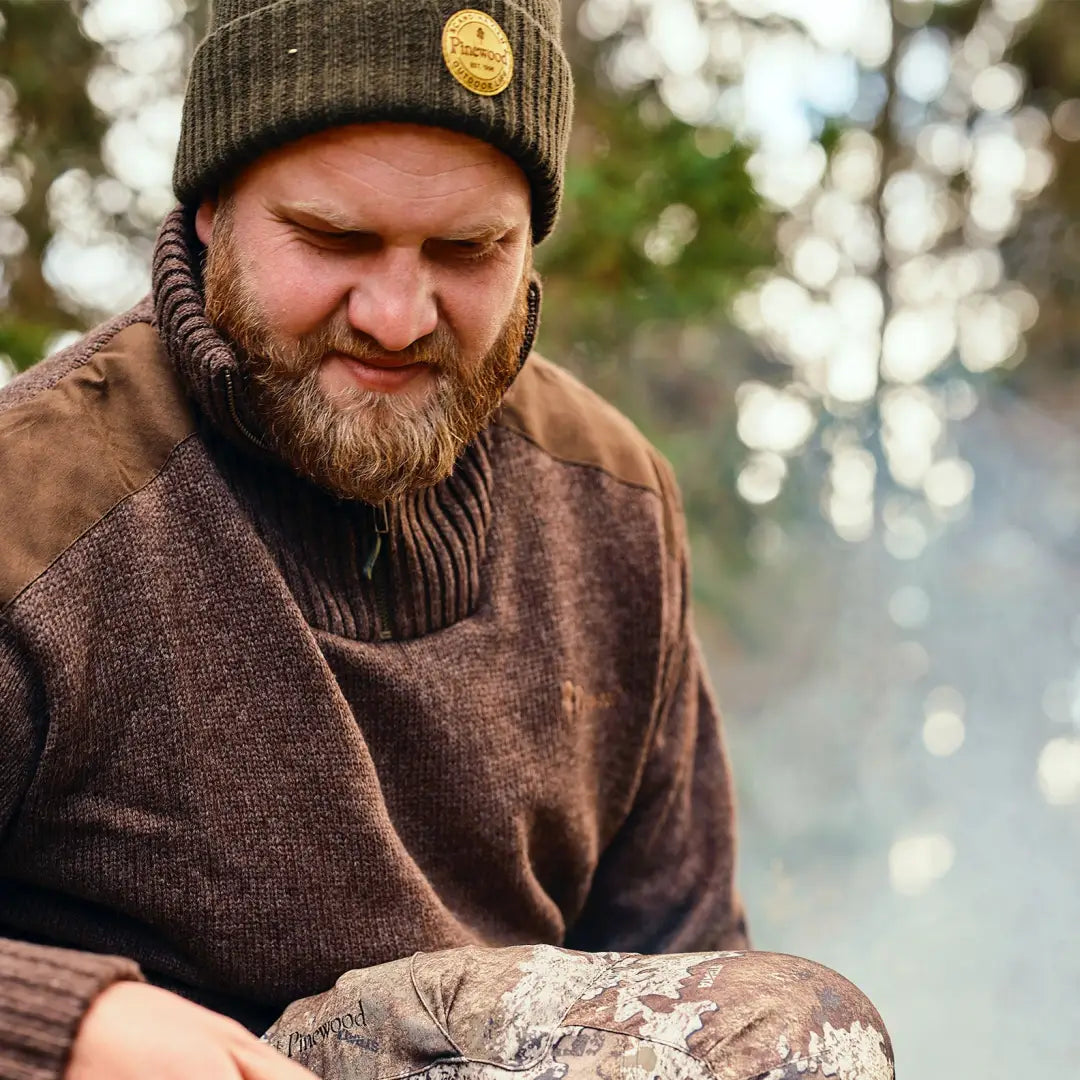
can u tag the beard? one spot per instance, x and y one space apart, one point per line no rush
357 443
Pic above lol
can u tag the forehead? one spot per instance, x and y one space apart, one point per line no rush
376 173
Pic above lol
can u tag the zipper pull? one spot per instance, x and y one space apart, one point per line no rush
382 528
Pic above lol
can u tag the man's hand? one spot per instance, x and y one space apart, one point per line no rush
138 1032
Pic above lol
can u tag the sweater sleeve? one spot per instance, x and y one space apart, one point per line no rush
666 882
44 992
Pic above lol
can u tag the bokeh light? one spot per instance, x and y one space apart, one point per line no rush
917 862
1058 771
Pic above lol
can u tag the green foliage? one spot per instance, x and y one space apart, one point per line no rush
624 174
23 342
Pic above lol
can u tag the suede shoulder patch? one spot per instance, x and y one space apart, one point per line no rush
563 417
72 452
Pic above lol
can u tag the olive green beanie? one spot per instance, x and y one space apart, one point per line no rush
271 72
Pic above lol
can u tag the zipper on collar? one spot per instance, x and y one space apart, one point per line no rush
230 399
379 580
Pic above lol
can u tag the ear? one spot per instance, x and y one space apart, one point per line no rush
204 220
533 324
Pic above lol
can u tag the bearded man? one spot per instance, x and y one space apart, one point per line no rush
346 662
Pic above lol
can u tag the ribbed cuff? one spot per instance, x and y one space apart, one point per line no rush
44 993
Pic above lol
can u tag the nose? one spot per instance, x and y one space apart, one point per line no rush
393 300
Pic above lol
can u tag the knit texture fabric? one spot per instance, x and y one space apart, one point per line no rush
270 73
229 756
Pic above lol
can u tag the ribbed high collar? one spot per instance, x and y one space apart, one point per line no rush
431 563
206 363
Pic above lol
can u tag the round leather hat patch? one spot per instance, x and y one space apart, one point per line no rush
478 53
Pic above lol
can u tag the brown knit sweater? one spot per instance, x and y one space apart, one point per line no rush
232 763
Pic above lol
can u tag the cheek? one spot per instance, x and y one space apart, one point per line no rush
477 307
297 290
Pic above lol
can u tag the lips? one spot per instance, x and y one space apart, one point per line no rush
385 374
386 363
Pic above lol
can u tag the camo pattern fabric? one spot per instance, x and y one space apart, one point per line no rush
542 1013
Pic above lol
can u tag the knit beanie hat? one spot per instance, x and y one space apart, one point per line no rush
271 71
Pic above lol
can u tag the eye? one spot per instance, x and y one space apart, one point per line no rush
474 249
462 250
338 239
327 235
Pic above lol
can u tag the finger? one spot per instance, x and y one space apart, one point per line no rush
257 1061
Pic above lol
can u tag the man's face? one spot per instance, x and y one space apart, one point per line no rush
374 279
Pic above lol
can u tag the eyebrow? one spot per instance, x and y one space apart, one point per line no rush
326 213
481 231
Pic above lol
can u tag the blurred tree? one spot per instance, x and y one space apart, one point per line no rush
47 126
1045 253
907 149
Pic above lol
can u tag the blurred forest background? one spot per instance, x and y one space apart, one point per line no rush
826 253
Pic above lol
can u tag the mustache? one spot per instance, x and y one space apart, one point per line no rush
437 349
300 358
